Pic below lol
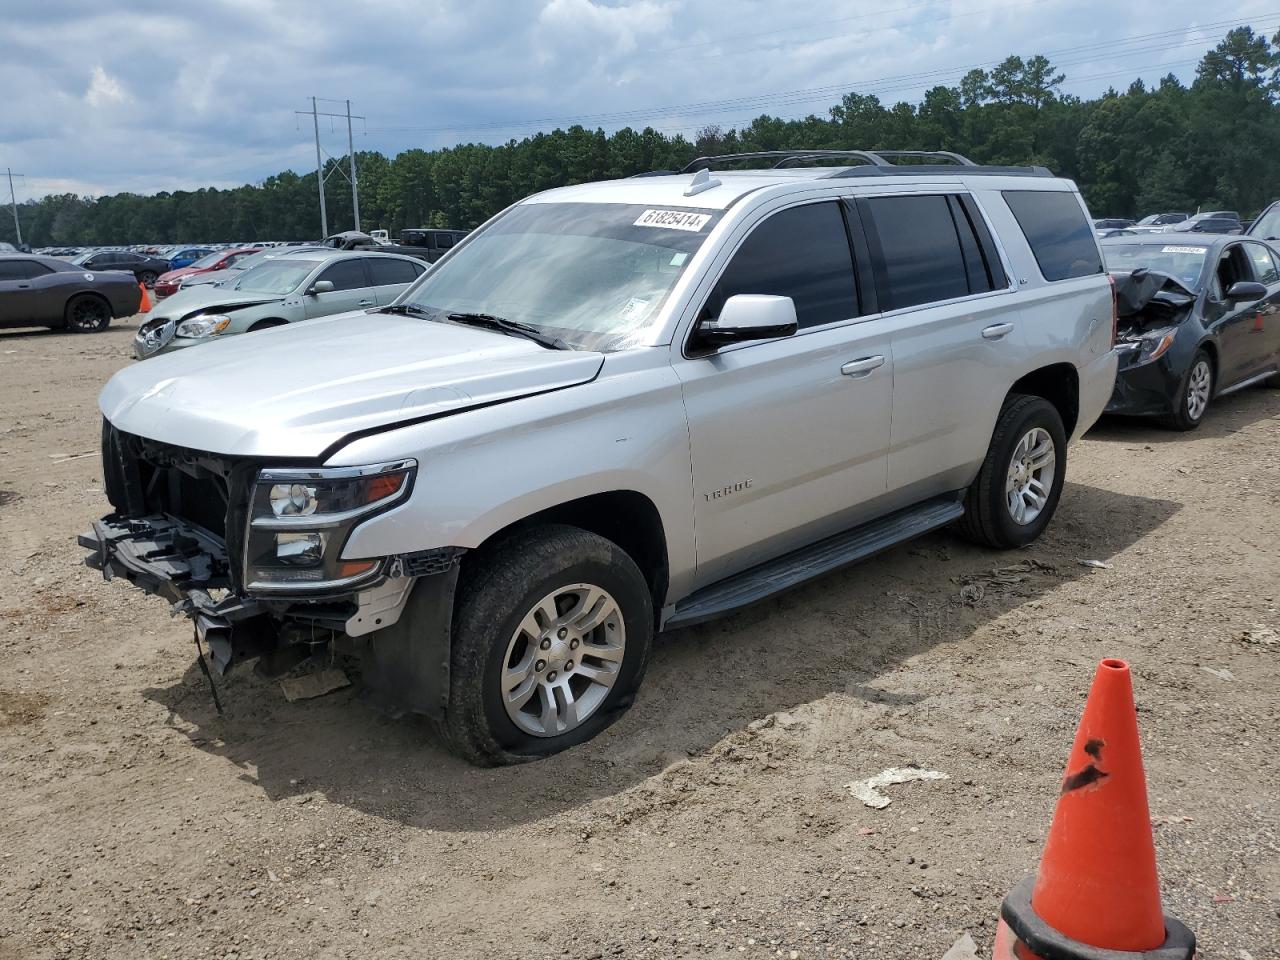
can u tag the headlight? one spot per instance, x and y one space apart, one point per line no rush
1155 345
300 520
205 325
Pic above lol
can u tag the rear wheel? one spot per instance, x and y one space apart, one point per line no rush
1194 395
551 638
147 278
1020 482
87 314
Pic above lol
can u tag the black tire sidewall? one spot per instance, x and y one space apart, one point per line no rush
1182 418
142 278
70 314
486 621
1038 413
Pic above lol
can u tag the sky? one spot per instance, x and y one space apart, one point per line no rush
156 95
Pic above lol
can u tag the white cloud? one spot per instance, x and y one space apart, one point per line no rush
104 89
206 94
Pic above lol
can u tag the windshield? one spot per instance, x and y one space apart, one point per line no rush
592 274
208 260
1185 262
275 276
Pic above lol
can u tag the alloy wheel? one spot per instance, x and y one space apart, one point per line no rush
88 315
563 659
1030 477
1199 383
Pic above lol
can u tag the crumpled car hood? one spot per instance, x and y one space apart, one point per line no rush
297 390
203 298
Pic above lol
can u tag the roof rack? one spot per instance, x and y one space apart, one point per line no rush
873 163
785 158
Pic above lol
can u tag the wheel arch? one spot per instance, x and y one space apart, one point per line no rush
1058 383
266 323
625 517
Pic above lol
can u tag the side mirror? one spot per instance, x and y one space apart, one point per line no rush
321 286
750 316
1244 291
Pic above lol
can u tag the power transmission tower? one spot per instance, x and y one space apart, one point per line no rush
321 175
13 204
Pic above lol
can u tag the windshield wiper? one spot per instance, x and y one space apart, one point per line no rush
491 322
407 309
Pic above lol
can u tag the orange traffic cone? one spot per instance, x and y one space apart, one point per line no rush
144 305
1097 890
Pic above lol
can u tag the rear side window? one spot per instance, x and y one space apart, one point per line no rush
802 253
386 272
346 274
926 250
21 269
444 240
1060 237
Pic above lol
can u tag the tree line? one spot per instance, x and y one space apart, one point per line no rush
1212 144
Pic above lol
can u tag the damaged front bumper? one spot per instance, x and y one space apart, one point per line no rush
189 567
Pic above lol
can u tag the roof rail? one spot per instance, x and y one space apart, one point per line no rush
784 158
938 169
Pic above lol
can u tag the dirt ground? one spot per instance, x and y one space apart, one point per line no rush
714 819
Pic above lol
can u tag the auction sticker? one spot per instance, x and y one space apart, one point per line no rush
1184 249
673 220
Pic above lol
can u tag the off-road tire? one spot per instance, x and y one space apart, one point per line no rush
987 519
1180 418
495 592
87 313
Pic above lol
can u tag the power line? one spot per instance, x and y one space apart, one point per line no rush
1113 47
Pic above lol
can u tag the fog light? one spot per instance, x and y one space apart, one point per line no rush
293 499
300 549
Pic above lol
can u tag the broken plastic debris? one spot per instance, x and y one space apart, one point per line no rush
1223 674
963 949
868 790
1096 564
314 684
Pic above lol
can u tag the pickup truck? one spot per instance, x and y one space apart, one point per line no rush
614 409
425 244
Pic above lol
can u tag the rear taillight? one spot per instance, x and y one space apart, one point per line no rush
1115 311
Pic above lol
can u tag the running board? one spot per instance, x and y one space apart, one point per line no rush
796 567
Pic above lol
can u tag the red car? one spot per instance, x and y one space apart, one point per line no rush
167 283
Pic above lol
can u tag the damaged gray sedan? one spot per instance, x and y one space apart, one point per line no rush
283 290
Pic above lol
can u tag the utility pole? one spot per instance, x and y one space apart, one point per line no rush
13 203
324 218
321 176
351 152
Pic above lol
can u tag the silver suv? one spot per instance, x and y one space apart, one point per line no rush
614 409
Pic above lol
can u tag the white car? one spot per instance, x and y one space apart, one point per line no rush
617 408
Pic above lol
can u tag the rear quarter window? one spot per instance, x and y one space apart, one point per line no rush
1056 229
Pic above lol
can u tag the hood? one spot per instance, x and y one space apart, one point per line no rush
176 274
295 391
210 276
202 297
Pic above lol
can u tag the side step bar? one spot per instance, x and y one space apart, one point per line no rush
796 567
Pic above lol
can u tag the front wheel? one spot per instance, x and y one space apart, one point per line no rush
551 638
147 278
1018 487
1194 395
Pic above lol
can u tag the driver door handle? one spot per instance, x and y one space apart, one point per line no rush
997 331
861 367
365 303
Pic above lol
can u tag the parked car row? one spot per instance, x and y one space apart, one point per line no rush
1214 221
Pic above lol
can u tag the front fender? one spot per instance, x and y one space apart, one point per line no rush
484 469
